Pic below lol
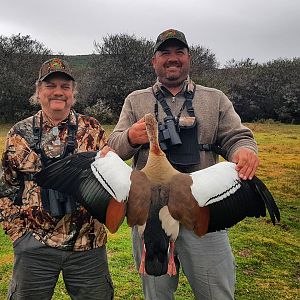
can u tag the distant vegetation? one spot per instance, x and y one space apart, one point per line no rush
79 62
121 63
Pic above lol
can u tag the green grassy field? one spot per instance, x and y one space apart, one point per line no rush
268 257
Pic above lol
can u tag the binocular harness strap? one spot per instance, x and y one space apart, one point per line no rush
36 146
189 95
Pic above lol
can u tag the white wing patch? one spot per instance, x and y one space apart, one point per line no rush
215 183
168 223
113 174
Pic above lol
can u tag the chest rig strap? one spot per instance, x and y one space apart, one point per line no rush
161 99
189 96
37 138
54 202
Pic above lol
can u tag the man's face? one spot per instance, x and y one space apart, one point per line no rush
56 94
172 63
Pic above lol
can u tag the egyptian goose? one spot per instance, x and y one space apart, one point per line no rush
158 197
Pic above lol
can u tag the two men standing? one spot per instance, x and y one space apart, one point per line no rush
69 235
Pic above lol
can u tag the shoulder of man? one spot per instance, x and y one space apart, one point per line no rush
87 120
141 92
211 95
201 88
23 128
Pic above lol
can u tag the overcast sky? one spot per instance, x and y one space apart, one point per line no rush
260 29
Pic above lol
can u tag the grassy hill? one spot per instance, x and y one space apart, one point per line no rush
78 61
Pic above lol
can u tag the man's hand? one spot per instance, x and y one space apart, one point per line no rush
137 134
246 162
105 150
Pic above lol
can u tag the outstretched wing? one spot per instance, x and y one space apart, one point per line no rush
96 181
67 174
230 199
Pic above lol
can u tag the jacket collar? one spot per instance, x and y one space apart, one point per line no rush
47 122
187 85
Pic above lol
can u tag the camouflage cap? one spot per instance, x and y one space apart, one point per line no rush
54 65
170 34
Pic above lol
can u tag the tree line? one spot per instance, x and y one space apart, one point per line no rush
121 63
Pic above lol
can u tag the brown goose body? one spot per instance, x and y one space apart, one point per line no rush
153 196
204 201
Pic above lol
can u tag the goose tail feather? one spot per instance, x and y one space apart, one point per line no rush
268 199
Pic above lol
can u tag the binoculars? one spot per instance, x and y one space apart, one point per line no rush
168 133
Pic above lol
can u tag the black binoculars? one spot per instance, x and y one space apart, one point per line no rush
58 204
168 133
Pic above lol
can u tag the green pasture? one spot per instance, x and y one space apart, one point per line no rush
267 256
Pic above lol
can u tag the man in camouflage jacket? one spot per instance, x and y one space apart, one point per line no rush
46 242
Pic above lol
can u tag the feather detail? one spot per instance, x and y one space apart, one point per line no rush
248 201
214 183
139 199
64 174
156 240
105 170
268 199
73 175
168 223
115 215
182 205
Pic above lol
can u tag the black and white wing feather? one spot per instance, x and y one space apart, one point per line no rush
113 174
229 198
92 179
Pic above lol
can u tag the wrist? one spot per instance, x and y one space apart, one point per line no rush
129 141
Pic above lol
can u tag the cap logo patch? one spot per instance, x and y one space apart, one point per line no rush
56 64
170 34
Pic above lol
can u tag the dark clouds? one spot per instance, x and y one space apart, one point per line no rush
258 29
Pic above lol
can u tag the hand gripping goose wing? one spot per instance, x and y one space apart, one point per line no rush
215 198
100 184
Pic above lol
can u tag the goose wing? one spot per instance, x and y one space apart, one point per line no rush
139 199
183 207
97 182
230 199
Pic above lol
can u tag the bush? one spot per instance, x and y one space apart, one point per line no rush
20 60
101 112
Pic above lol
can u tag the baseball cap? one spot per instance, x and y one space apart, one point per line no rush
170 34
54 65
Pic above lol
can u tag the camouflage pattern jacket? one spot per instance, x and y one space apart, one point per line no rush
76 231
